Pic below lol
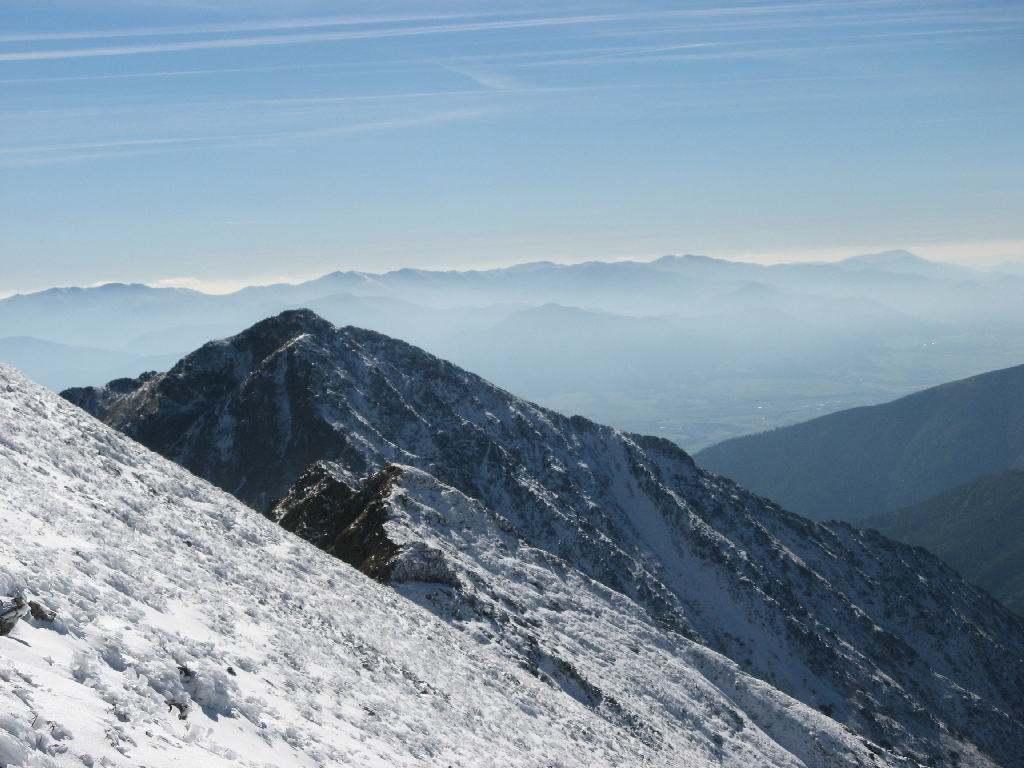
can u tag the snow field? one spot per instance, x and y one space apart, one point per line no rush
676 697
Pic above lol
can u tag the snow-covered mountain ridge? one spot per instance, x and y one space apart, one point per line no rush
190 630
884 639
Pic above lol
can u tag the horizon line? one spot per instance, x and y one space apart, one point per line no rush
215 287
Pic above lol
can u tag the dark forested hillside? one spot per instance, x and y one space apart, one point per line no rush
978 528
869 460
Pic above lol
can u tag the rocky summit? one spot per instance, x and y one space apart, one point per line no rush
477 506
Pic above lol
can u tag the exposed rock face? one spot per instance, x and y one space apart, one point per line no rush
11 609
350 524
882 637
40 612
313 506
98 400
241 414
345 522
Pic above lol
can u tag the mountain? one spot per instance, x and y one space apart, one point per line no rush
58 366
163 623
868 460
414 470
977 527
108 316
905 263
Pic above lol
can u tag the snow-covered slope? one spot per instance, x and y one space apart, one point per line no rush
882 638
190 630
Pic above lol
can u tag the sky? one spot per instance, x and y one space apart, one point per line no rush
218 144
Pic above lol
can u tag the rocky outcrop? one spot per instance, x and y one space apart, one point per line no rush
11 609
99 401
345 522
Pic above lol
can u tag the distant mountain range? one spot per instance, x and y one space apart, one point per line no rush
690 348
977 527
869 460
478 506
59 365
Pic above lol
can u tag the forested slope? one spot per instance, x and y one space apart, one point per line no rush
865 461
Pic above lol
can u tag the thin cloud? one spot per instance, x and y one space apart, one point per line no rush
108 144
44 154
491 80
247 26
408 31
170 73
320 37
739 18
634 54
447 62
207 107
329 21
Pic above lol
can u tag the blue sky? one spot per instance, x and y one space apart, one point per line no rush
222 143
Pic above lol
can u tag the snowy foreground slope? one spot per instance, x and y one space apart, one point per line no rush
881 638
272 652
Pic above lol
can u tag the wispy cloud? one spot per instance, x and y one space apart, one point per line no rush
170 73
318 37
245 26
61 153
334 21
461 64
764 18
492 80
386 31
96 145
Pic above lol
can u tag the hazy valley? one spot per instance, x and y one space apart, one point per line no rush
695 349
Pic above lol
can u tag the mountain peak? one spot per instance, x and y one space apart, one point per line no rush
291 322
886 257
901 262
285 393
